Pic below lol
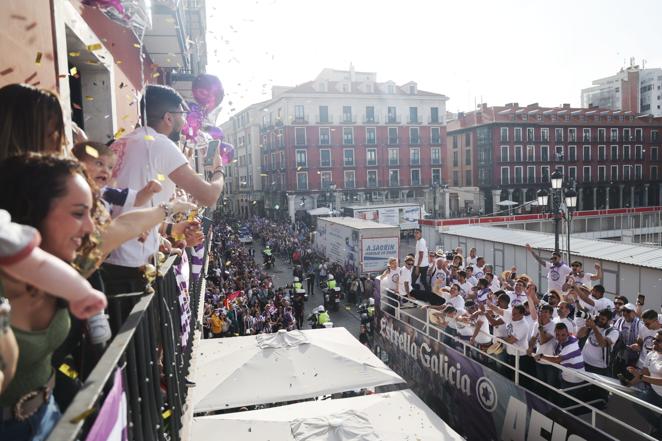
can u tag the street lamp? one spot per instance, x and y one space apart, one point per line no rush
435 187
571 204
569 200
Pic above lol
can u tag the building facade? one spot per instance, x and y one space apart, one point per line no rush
346 138
611 158
632 89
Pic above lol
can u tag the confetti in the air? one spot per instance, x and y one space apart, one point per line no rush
91 151
37 60
149 138
73 71
119 132
94 47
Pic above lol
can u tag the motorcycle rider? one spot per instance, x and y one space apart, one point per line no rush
266 254
323 316
297 285
330 282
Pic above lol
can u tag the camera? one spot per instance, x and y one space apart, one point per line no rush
449 256
584 314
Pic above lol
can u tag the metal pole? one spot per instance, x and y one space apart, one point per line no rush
557 220
569 220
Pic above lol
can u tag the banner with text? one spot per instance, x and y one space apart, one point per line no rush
476 401
375 252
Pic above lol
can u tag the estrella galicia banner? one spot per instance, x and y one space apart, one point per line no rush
479 403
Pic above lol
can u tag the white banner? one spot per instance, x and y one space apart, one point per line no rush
376 251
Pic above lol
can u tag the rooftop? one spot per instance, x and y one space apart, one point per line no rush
359 224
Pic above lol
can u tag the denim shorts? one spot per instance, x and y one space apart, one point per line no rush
35 428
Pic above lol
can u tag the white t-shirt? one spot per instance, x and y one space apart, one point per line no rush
548 347
438 280
654 364
556 275
138 161
516 299
405 276
390 281
421 246
471 261
596 355
599 305
584 280
647 336
457 302
520 330
465 288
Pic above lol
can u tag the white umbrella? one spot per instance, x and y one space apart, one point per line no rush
243 371
393 416
507 202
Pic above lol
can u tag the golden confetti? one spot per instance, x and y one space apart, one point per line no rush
149 138
136 45
160 177
94 47
119 132
74 54
155 75
299 168
91 151
119 62
73 71
89 98
37 60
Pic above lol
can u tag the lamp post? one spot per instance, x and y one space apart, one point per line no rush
434 187
557 197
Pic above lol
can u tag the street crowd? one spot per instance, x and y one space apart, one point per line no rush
573 324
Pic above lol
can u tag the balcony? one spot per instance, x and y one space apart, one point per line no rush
350 184
348 141
301 119
348 119
414 121
327 120
415 161
393 120
435 141
433 121
393 140
370 120
393 162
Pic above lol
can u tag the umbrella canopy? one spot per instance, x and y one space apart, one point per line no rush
393 416
243 371
507 202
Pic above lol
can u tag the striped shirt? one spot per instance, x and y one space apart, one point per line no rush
571 358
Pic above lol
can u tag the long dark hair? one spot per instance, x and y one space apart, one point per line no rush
25 113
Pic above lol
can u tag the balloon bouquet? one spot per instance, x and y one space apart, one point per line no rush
208 94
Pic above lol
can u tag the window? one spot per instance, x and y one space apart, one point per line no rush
572 173
558 153
325 158
414 138
614 152
638 135
587 173
455 142
586 135
302 181
637 171
299 136
298 113
519 178
302 159
413 115
484 176
602 173
558 134
614 135
530 134
572 153
602 153
655 135
544 173
347 114
415 177
371 157
614 173
348 157
518 134
394 178
348 135
504 153
414 157
627 172
372 178
467 178
531 153
602 137
654 172
370 114
435 155
325 136
504 134
349 181
572 135
456 159
393 135
467 139
467 156
456 178
626 135
531 174
392 115
434 114
544 153
639 153
393 157
325 180
587 153
435 136
324 114
518 153
544 135
654 154
626 153
505 175
436 176
370 136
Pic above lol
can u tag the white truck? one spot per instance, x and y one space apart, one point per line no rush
405 216
360 244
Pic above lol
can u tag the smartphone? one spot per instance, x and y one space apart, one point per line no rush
641 299
212 150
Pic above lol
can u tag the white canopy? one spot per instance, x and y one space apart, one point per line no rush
320 211
243 371
380 417
507 202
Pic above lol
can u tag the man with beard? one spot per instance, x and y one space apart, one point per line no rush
150 153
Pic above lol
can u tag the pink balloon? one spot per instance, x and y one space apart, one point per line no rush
227 152
216 133
193 124
208 91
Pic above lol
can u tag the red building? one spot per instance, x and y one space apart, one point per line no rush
612 158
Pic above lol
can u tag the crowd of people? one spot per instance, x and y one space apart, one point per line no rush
573 324
78 227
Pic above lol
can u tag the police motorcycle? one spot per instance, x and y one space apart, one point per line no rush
297 287
366 312
268 258
332 294
319 318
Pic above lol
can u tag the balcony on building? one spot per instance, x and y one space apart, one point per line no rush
324 120
370 119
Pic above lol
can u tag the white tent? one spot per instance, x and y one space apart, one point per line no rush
381 417
320 211
507 202
270 368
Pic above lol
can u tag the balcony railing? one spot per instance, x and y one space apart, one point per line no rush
393 120
154 353
303 119
327 120
393 140
370 120
348 119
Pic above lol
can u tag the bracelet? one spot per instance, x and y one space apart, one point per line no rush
167 209
219 170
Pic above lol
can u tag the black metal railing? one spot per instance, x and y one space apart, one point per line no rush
155 363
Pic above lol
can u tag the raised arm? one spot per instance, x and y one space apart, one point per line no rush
540 260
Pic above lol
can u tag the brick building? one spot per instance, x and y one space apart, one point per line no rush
612 158
339 139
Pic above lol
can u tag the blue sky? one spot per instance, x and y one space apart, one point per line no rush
503 51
